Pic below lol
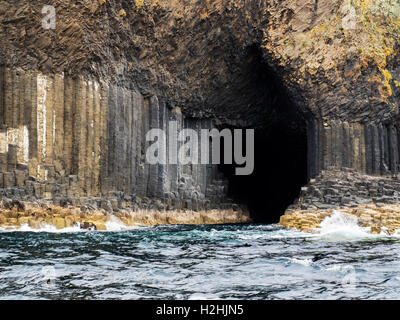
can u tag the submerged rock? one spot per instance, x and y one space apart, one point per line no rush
88 226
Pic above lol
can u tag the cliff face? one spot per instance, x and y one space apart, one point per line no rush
64 139
324 70
335 58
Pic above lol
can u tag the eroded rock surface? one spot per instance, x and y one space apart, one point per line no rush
378 219
336 58
329 68
374 200
39 214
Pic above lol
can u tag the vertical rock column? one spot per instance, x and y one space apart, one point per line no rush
16 105
80 137
370 148
52 127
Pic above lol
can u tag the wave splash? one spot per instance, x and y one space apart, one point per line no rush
112 225
340 226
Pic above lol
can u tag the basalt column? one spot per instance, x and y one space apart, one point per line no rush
52 133
352 169
70 138
368 148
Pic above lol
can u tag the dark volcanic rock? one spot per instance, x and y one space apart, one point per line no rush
77 101
205 57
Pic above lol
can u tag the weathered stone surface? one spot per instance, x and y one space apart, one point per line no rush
20 177
75 113
332 57
38 213
384 218
34 224
375 200
117 164
342 187
8 179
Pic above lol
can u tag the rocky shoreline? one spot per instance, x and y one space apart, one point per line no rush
385 218
16 214
373 200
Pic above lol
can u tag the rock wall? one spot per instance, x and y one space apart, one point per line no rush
353 169
195 53
335 188
70 139
244 63
369 148
372 200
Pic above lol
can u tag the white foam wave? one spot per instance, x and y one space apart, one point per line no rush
199 296
116 225
43 228
304 262
339 226
112 225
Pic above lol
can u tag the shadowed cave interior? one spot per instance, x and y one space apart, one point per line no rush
280 148
280 170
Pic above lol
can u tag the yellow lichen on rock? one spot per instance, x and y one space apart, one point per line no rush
369 29
59 222
139 4
375 230
34 224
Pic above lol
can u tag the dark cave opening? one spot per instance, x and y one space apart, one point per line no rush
280 170
280 148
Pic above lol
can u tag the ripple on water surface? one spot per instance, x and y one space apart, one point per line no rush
201 262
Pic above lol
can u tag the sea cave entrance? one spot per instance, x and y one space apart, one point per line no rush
280 167
280 170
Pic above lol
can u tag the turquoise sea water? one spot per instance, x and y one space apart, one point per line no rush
200 262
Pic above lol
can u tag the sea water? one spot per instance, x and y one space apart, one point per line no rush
340 261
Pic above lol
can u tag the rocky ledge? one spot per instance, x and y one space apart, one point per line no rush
16 214
373 200
385 218
319 81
